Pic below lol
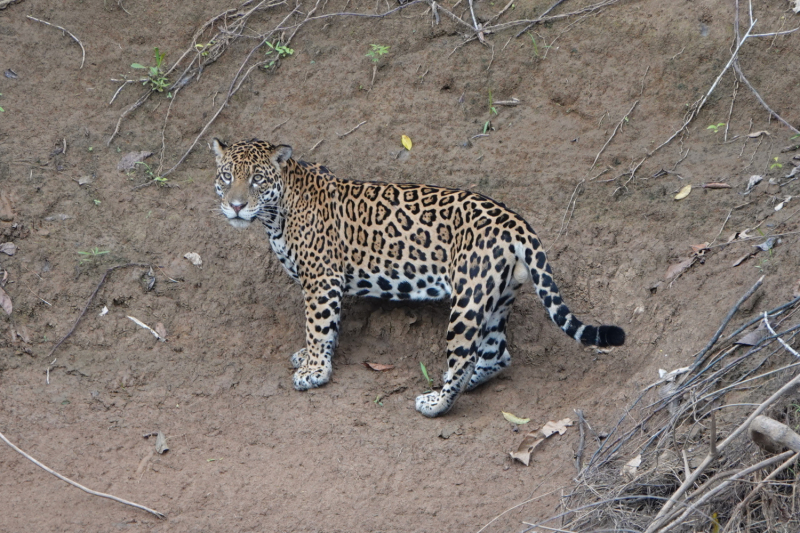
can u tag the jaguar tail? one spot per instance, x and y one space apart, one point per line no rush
533 261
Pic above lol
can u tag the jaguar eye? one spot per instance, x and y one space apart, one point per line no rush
226 177
258 179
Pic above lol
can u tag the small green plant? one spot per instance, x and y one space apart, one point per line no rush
96 201
91 148
156 78
279 49
203 48
377 401
376 51
1 109
92 254
148 170
715 127
486 126
492 108
775 163
426 376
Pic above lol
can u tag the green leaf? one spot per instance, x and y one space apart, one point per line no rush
515 419
137 65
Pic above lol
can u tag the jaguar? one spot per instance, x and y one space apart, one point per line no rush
394 241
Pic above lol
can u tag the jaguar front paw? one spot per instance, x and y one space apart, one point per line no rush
431 404
312 376
298 358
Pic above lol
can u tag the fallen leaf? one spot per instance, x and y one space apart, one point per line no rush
406 140
677 268
697 248
130 159
527 446
767 245
742 259
796 290
378 367
535 438
684 192
161 330
515 419
716 185
85 180
8 248
161 443
754 337
556 427
194 258
757 134
796 7
5 302
104 311
632 466
752 182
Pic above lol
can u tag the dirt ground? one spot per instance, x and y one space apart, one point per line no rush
247 451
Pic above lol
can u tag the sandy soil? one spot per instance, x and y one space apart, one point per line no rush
249 453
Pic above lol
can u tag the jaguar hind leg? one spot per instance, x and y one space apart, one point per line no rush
493 356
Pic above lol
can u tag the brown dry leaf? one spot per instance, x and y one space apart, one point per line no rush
716 185
535 438
378 367
161 330
8 248
556 427
526 447
697 248
676 269
757 134
796 290
129 160
5 302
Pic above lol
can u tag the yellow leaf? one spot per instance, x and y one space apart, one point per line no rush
683 193
515 419
406 140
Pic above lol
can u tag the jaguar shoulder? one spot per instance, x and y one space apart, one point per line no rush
397 242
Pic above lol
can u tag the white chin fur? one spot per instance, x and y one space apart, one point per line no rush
239 222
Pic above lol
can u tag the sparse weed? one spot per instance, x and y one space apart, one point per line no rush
91 254
203 48
715 127
279 50
775 163
156 78
426 376
492 108
148 170
376 51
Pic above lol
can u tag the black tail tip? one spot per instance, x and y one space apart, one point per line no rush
603 336
610 336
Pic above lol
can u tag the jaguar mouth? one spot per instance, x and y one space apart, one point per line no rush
239 222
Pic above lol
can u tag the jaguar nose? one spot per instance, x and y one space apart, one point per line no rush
237 207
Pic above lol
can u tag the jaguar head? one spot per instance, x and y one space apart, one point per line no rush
249 179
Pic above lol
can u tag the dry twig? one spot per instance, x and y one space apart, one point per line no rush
78 485
83 50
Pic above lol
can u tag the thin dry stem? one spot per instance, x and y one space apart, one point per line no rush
78 485
83 50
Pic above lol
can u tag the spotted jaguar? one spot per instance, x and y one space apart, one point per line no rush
401 241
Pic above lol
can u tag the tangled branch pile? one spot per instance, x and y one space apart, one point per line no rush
663 467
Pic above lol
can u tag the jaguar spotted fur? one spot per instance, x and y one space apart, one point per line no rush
339 237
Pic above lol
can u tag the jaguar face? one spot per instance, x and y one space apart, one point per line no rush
248 179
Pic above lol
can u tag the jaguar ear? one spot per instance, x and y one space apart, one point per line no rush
219 148
281 154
